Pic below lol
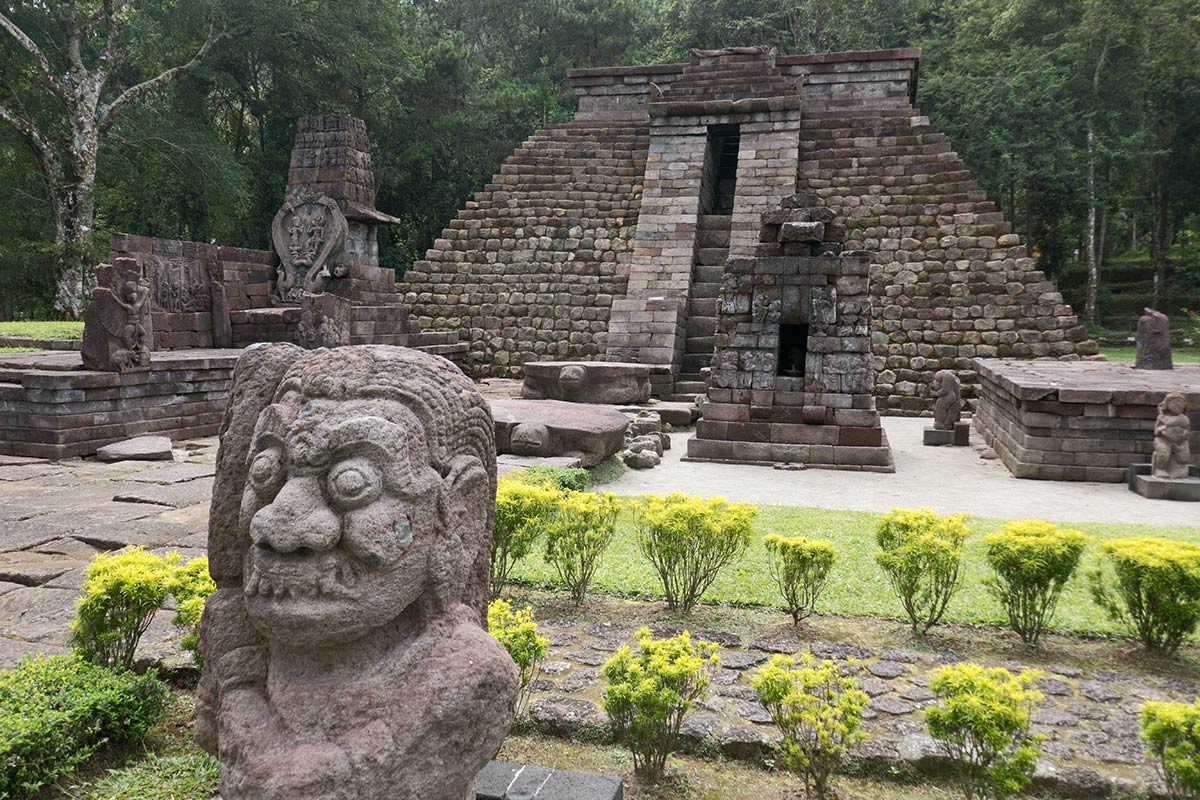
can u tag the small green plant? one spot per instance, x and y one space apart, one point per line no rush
522 511
121 593
921 553
650 692
818 711
689 540
1032 561
517 633
55 712
191 585
564 479
800 568
577 536
1152 587
1172 735
982 718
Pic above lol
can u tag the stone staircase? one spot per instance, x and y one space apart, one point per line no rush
712 248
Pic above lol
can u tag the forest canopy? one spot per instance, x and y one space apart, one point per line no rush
1081 118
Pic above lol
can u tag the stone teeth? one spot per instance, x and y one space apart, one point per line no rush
253 585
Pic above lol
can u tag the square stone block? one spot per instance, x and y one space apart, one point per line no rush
959 437
1185 489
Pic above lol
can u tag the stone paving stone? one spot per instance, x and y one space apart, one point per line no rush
6 461
149 532
6 587
37 614
176 495
141 448
70 547
26 472
887 669
740 660
175 473
581 679
13 650
842 650
777 644
892 705
30 568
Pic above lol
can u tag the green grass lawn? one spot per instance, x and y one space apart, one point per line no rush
857 586
43 330
1128 354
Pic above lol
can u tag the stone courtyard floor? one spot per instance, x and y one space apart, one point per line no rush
55 517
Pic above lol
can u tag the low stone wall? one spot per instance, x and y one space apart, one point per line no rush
51 408
1077 421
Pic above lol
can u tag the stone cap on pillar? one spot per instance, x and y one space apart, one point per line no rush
331 156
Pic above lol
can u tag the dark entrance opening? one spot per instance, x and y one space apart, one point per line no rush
793 349
721 177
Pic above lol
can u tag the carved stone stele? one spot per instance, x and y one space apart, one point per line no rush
1172 439
350 533
324 320
947 400
309 234
117 331
1153 341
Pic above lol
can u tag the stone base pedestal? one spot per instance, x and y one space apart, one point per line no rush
502 780
960 436
1185 489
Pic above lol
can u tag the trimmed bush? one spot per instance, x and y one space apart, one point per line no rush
564 479
800 567
121 593
55 712
522 511
517 633
1172 735
577 536
650 692
1152 587
191 585
818 710
1032 561
921 554
689 540
982 718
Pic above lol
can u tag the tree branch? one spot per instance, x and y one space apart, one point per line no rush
26 128
110 112
45 72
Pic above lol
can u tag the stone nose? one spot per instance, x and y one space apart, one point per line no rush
298 518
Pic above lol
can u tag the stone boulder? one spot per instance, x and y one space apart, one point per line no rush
557 428
587 381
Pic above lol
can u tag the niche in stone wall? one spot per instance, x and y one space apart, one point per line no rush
793 350
719 185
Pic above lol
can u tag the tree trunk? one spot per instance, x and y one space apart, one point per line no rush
1160 243
1093 268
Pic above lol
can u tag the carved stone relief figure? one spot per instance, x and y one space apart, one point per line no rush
947 400
309 234
1172 439
117 333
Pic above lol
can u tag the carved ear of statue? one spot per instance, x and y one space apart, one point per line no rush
466 506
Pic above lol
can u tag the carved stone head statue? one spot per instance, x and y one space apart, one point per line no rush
344 655
947 399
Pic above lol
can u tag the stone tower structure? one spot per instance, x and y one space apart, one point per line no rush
607 237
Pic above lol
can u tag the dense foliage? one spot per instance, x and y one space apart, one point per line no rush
800 568
921 554
1032 562
817 709
650 691
1152 587
689 540
577 535
1080 117
517 633
522 511
982 718
55 712
1172 734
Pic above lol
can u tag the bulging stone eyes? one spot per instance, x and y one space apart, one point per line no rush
354 483
266 471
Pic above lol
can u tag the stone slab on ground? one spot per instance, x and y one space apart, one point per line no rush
140 448
150 533
525 462
13 650
175 495
174 473
37 614
30 568
591 433
503 780
587 381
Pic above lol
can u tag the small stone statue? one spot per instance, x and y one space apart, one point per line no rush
1172 435
344 654
947 400
116 326
1153 341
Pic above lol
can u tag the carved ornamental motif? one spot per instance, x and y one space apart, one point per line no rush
309 234
117 332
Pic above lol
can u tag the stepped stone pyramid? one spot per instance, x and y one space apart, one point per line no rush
607 237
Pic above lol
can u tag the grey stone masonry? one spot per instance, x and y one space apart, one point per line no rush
1084 421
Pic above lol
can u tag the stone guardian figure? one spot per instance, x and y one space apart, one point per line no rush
947 400
1172 435
1153 341
344 653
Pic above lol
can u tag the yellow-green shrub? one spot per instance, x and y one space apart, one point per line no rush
921 554
818 711
522 510
982 718
1152 587
800 568
191 585
577 535
1172 734
517 633
1032 561
649 693
689 540
55 712
121 592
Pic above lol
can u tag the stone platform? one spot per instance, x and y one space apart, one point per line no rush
1077 421
51 407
